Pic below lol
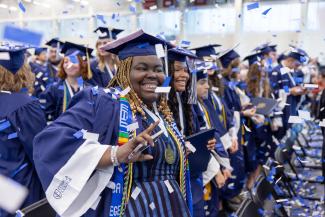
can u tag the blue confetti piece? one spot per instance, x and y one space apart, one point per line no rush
299 80
78 134
61 87
266 11
80 81
24 90
22 7
132 9
118 4
65 12
166 81
4 125
253 6
261 211
12 135
320 178
286 89
185 43
25 36
101 18
3 120
303 59
73 59
137 1
113 16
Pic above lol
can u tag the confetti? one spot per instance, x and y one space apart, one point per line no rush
101 18
266 11
78 134
169 187
132 9
22 7
135 193
13 33
12 135
253 6
166 82
4 125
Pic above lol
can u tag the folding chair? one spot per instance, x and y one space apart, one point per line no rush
41 208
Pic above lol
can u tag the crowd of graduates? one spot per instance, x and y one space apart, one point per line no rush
109 134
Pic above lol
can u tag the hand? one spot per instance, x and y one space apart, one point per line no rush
187 150
234 146
220 179
143 138
249 112
211 144
297 91
226 173
258 119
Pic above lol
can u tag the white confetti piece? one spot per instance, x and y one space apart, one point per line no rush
215 89
132 127
190 147
111 185
39 74
12 194
304 115
169 187
42 101
4 56
295 120
311 86
42 88
162 90
135 193
152 206
247 129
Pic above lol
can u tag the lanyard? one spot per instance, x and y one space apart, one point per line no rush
291 78
206 115
180 112
109 70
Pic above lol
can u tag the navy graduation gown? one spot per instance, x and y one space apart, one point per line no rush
100 78
68 167
52 100
21 118
235 183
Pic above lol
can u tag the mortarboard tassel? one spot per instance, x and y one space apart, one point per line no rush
89 74
192 99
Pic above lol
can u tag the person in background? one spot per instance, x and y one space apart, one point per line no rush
230 61
73 72
21 118
41 70
109 176
104 66
287 86
181 105
54 57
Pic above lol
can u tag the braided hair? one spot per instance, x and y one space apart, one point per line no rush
122 79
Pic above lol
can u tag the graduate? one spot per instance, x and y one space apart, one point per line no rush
54 57
287 82
21 118
94 175
230 61
180 101
104 66
260 143
209 119
73 71
41 70
268 53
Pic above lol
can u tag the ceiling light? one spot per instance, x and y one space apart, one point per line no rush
3 6
12 8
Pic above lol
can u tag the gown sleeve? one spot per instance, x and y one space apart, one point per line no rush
67 166
29 121
48 100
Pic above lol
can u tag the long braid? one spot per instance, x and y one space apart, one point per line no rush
122 79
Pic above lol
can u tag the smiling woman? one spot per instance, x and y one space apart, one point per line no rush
97 117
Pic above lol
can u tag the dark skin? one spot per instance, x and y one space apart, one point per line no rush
181 76
146 75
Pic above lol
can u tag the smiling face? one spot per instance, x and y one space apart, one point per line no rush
181 76
146 75
71 69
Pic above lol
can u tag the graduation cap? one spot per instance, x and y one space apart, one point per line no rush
39 50
228 56
15 57
70 48
253 58
55 43
138 43
201 74
180 54
298 54
206 51
265 48
104 32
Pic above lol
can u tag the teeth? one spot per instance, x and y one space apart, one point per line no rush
151 86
